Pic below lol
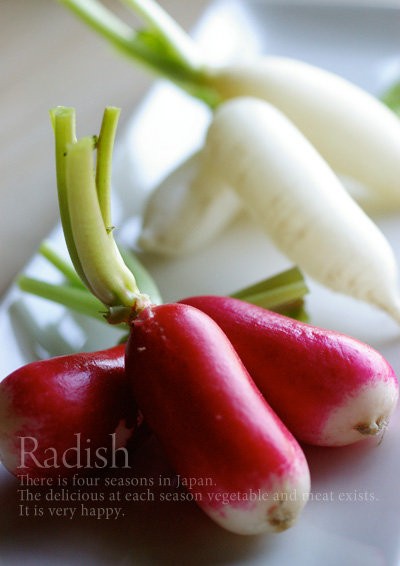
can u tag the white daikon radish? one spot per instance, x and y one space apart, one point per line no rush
355 133
187 210
299 202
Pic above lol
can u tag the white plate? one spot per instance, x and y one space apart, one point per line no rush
354 513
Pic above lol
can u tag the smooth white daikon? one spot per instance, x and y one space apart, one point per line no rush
187 210
355 133
300 203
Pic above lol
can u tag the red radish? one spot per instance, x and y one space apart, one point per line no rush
240 463
238 460
329 389
66 414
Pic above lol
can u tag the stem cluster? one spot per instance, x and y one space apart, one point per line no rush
84 201
161 44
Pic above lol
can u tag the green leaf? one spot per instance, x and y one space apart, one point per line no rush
392 98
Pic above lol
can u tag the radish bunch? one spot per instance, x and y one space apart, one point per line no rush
213 423
229 389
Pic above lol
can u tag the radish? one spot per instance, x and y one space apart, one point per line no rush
329 389
356 133
67 414
240 463
185 210
242 466
299 202
353 131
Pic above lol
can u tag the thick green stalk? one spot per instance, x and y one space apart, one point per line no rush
63 122
271 293
72 294
109 278
85 205
144 280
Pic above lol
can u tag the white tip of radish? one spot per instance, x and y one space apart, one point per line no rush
366 413
393 310
387 298
267 510
187 210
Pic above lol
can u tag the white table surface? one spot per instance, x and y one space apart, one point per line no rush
46 59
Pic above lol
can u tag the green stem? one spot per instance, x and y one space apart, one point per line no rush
282 289
109 278
63 122
271 293
162 46
143 278
103 22
105 144
64 267
73 298
165 47
173 36
84 200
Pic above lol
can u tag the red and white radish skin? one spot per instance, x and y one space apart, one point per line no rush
352 130
329 389
217 430
50 402
299 202
185 211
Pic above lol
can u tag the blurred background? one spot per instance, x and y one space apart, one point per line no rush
47 59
